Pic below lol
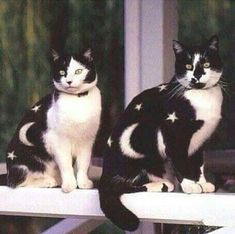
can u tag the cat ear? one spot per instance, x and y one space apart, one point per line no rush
88 55
214 43
177 47
54 54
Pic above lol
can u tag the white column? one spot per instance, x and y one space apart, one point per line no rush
132 30
150 27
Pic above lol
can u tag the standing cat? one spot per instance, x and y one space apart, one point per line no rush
59 129
162 131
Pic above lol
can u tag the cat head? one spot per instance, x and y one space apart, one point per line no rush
73 74
198 67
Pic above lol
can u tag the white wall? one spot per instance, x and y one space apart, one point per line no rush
150 27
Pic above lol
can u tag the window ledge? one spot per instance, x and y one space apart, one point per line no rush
201 209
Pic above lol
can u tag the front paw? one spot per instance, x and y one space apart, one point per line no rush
207 187
161 186
69 185
190 186
84 183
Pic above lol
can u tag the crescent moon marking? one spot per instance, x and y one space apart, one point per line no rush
125 143
23 132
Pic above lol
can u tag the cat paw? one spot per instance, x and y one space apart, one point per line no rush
69 185
189 186
163 186
50 183
85 183
207 187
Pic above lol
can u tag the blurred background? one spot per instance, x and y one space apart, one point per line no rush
30 28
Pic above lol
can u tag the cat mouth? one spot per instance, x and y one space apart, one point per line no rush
71 88
198 86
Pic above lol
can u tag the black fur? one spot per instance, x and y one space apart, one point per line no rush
125 174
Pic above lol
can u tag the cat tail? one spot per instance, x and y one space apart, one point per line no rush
3 179
110 190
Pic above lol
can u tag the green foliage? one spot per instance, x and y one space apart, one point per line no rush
29 28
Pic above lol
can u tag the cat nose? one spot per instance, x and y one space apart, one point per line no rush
194 80
69 82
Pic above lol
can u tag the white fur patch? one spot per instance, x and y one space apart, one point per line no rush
125 142
207 104
73 123
160 144
23 132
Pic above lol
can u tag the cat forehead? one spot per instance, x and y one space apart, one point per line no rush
197 55
196 58
74 64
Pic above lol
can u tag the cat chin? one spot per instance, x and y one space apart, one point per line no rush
84 87
208 85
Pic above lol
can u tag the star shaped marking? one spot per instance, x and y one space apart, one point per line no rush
36 108
172 117
138 107
162 87
109 142
11 155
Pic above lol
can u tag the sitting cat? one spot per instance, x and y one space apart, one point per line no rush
161 134
58 130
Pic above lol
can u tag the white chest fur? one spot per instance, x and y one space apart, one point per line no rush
75 117
207 104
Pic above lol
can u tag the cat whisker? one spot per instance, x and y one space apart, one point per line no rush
172 90
224 88
176 91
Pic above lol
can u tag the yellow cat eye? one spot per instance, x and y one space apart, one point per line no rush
62 73
189 66
206 65
78 71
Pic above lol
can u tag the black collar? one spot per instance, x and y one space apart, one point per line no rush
56 93
82 94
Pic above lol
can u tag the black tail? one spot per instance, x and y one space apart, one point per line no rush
3 179
110 190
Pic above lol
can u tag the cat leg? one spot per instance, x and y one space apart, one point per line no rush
83 161
207 187
183 170
63 159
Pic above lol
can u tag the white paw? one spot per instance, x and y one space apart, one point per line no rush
84 183
190 186
163 186
50 183
207 187
69 185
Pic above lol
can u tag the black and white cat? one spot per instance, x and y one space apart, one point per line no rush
161 134
58 131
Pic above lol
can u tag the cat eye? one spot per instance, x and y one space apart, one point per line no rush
189 66
62 73
78 71
206 65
